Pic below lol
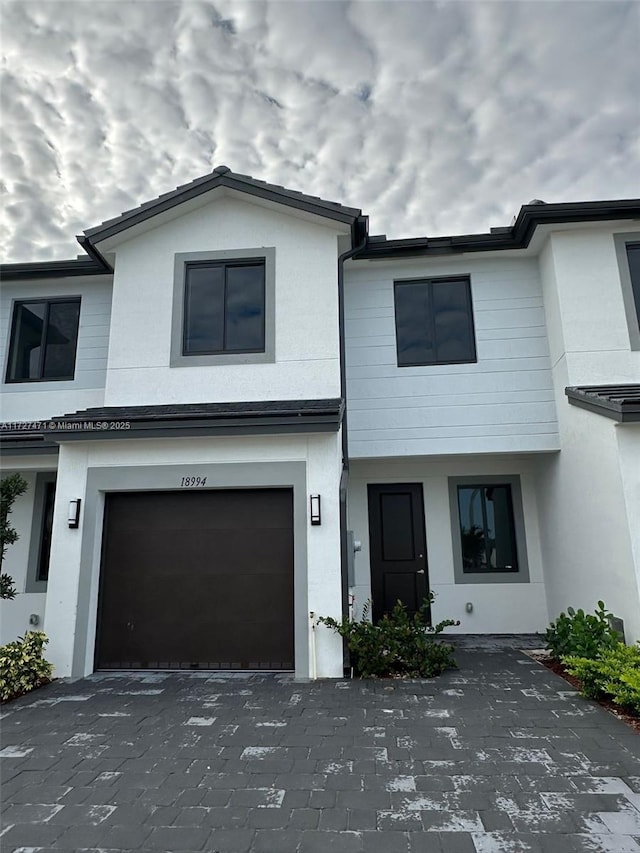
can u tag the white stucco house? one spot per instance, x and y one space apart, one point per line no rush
237 381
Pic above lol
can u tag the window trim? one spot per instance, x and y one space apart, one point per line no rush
48 300
500 576
430 281
621 242
185 259
33 584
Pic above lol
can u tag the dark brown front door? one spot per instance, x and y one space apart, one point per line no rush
397 547
197 580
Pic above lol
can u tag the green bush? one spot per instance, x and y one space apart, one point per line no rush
399 644
615 673
581 634
22 665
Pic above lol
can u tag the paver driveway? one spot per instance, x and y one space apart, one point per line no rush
500 755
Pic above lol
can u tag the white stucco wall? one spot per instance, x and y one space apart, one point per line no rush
319 453
587 495
306 335
497 607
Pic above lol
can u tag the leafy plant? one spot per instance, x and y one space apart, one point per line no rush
614 673
399 644
581 634
11 487
22 665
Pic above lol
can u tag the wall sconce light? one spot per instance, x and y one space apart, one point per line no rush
315 509
74 513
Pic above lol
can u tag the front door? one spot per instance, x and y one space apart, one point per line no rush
397 547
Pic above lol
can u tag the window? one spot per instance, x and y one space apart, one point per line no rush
41 530
42 573
434 322
487 534
44 335
224 308
633 259
487 528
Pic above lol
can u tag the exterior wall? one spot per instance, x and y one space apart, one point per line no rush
159 465
29 401
503 403
497 607
14 615
587 494
307 343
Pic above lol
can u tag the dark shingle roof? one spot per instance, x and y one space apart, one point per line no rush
222 176
619 402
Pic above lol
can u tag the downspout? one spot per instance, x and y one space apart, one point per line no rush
345 256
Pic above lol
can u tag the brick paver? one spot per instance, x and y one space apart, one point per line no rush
500 756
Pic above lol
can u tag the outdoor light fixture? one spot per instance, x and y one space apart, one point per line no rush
315 509
74 513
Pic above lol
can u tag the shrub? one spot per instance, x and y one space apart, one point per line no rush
581 634
22 665
399 644
614 673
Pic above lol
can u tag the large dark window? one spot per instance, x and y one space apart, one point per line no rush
434 322
487 532
224 308
633 256
44 335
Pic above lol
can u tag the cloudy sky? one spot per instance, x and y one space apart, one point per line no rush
433 117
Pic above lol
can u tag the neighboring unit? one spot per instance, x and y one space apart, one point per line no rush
239 375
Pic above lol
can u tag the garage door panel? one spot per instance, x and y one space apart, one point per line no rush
185 595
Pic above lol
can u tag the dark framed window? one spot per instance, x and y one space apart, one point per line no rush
224 308
633 259
434 322
44 337
487 529
42 573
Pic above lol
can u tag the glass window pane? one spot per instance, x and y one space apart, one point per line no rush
633 256
501 544
204 310
27 340
472 531
61 339
452 323
413 324
244 330
47 527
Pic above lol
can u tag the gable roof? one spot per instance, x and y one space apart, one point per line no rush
619 402
222 176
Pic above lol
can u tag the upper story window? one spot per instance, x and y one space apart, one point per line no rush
44 336
224 308
633 259
434 321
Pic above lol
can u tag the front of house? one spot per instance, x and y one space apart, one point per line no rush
238 381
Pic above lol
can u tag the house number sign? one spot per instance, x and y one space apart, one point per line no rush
190 482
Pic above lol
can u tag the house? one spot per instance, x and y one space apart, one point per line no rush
237 382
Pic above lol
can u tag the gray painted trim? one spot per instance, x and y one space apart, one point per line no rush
32 584
633 321
177 359
167 478
522 575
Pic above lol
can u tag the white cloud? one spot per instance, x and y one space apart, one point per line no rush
435 118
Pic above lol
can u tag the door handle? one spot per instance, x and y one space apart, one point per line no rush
420 572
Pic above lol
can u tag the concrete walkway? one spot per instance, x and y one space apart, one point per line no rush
500 755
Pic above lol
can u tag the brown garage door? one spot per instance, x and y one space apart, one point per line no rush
197 580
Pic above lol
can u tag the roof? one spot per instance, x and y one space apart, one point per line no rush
222 176
517 236
181 420
619 402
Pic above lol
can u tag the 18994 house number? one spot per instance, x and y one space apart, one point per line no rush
188 482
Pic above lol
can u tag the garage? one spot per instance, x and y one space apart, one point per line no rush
197 579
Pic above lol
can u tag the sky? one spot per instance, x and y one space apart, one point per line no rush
434 118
